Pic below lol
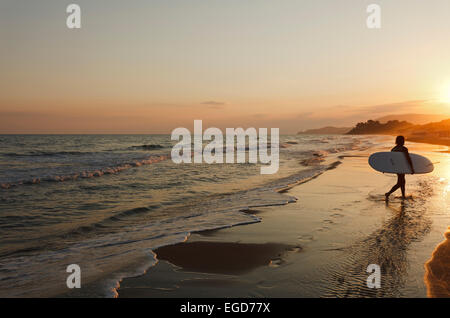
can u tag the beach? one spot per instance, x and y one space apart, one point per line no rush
139 225
321 244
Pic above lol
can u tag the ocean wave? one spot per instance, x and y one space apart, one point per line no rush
147 147
319 141
105 224
46 153
88 173
38 153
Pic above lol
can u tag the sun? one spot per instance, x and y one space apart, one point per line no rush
445 93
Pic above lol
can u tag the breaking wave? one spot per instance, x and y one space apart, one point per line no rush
88 173
147 147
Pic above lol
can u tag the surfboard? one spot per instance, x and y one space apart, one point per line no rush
395 162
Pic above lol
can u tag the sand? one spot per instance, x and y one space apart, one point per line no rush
321 245
437 275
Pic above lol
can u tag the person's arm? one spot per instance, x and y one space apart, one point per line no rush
408 158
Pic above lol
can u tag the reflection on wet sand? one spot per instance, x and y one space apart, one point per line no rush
386 247
437 270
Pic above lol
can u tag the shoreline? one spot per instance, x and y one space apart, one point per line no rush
265 254
187 269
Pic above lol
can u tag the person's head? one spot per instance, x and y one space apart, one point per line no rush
400 140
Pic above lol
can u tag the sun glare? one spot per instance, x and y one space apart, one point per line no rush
445 93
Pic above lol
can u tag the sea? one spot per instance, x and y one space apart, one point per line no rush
105 202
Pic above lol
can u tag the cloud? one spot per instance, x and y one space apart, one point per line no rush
214 105
352 113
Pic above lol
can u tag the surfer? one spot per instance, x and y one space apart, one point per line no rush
400 142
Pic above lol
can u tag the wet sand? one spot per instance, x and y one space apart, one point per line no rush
437 275
319 246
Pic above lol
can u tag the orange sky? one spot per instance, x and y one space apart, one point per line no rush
149 67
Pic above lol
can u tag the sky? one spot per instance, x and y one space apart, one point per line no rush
150 66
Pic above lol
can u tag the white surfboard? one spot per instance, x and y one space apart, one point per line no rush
395 162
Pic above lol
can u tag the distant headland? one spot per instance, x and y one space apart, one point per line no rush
437 133
432 129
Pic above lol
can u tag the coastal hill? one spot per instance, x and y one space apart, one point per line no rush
376 127
415 127
329 130
390 123
433 133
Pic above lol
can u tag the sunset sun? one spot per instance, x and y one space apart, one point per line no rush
445 93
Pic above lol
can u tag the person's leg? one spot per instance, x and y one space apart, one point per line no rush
402 182
395 187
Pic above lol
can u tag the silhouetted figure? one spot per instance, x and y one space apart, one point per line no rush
400 141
